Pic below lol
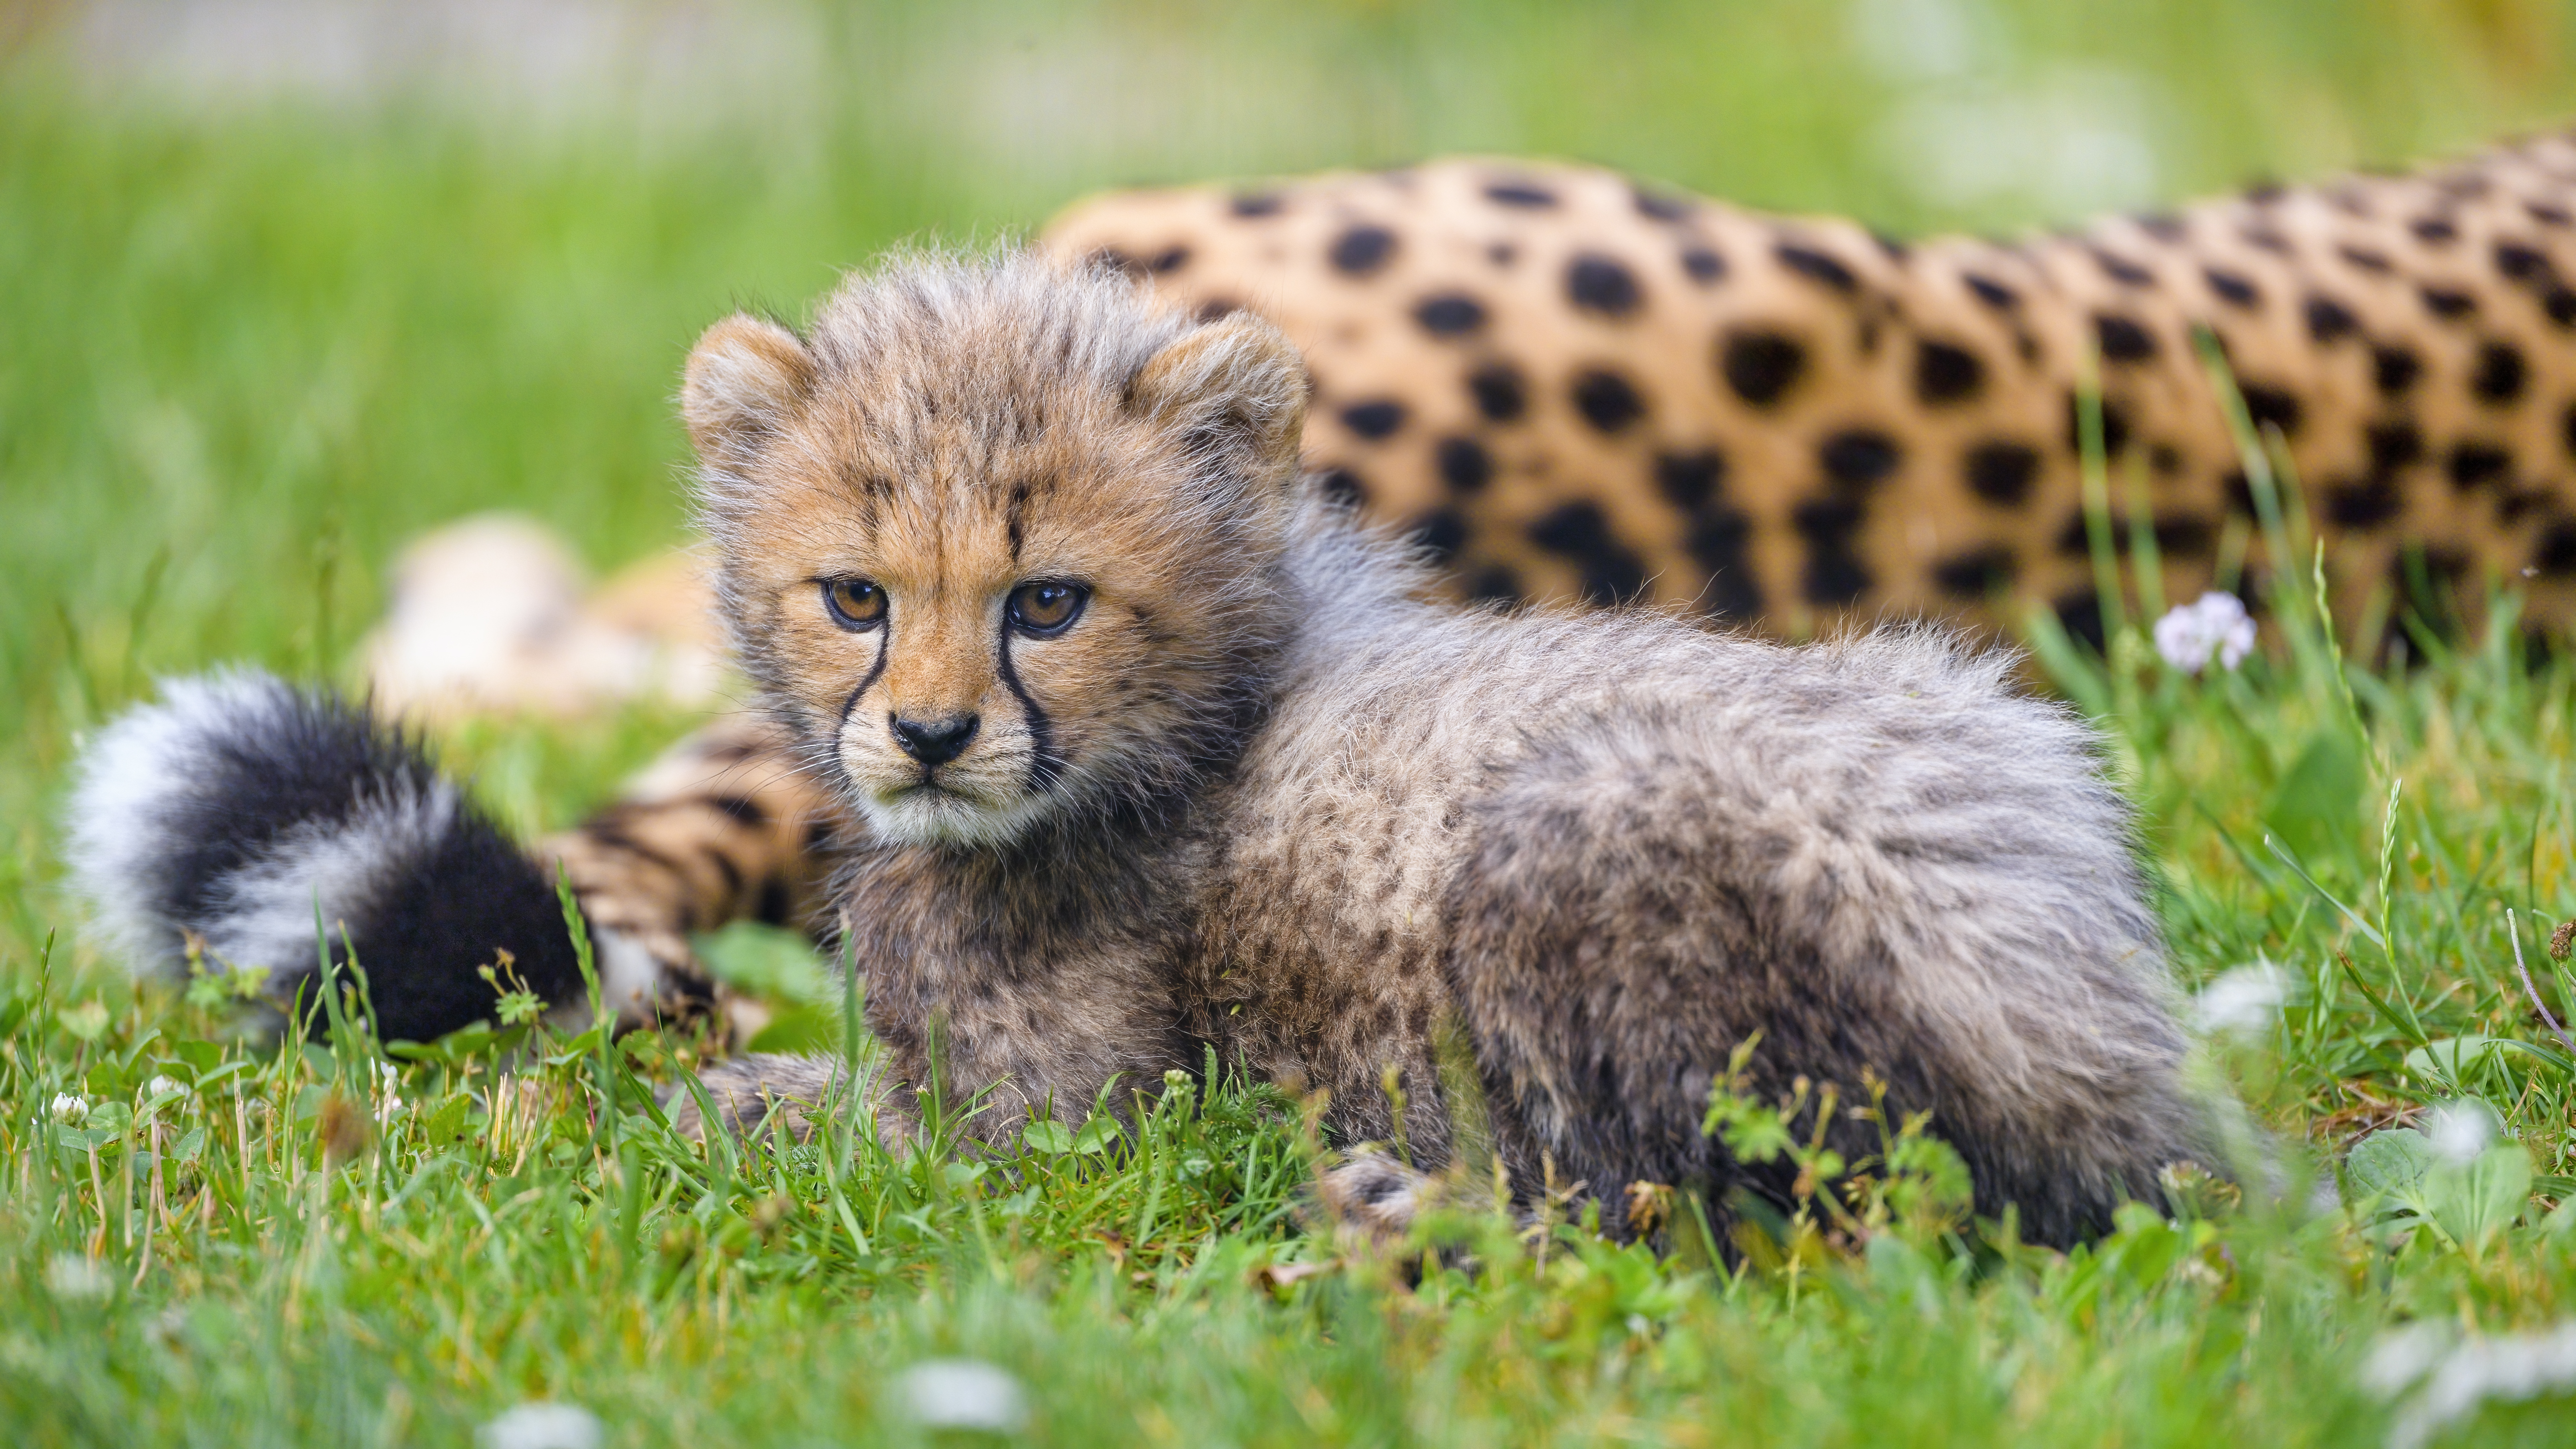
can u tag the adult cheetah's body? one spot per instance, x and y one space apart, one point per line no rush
1569 385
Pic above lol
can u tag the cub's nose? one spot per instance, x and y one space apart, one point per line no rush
934 742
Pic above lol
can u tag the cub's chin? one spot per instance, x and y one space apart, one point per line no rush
916 813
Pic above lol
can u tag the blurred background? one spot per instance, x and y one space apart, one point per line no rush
283 282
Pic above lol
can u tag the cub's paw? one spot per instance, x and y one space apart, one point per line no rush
764 1092
1375 1198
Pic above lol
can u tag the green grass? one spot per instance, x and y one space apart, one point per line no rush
245 350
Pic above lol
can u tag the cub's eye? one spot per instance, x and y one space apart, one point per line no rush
1046 608
854 603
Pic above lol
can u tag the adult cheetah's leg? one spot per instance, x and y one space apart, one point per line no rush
726 826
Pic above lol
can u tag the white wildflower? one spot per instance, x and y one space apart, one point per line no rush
70 1110
2214 624
2242 1000
964 1393
2460 1131
70 1275
2402 1356
542 1426
2508 1368
162 1086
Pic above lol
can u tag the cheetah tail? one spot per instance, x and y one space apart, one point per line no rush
232 812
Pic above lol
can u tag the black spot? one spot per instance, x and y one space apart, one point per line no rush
2517 504
1499 392
1816 266
2232 288
1256 203
2365 258
2395 368
1717 540
2123 339
2240 492
2447 302
1991 292
1835 575
1610 574
1691 480
1361 250
1449 314
2076 539
2002 473
1761 366
2567 429
1502 253
2184 535
1170 261
1945 372
2121 270
2164 458
1658 205
2546 214
2264 238
2364 503
2329 319
1892 248
2559 302
1524 194
1439 534
2522 263
1495 585
2555 555
2080 615
1376 419
1975 574
2164 226
2474 465
2394 444
1344 487
1464 464
2274 406
2500 374
1703 265
2434 230
1111 259
1216 307
1607 401
2115 426
1859 457
2266 193
1596 283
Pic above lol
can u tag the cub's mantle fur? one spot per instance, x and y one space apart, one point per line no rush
1145 748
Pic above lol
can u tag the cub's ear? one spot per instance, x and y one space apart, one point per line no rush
1234 386
744 375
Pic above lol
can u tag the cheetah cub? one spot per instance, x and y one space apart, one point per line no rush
1146 748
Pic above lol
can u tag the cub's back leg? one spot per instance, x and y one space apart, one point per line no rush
1647 892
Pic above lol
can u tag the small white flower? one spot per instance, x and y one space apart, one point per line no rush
159 1086
2242 1000
70 1275
2213 624
2460 1131
2509 1368
964 1393
70 1110
2401 1356
542 1426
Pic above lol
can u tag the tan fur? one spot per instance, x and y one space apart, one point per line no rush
1265 796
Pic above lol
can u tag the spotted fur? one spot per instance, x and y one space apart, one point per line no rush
1567 384
1267 796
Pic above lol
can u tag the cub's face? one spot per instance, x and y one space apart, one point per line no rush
990 569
